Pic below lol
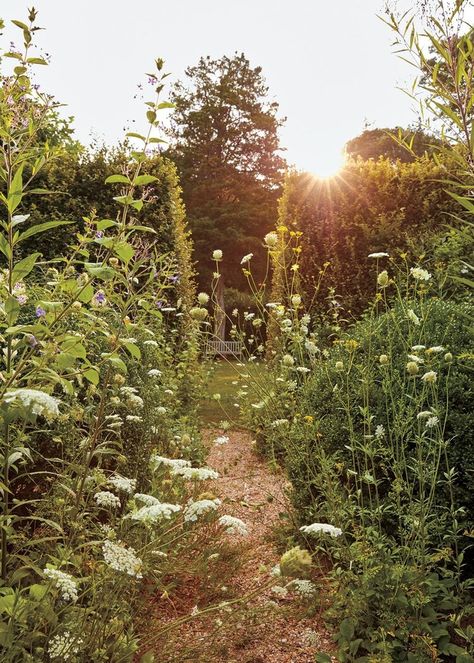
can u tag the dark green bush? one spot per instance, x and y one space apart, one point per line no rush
442 324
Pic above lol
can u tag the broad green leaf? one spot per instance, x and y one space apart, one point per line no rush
100 271
36 61
92 375
144 179
5 247
133 349
131 134
41 228
65 360
24 267
12 309
37 591
112 179
125 251
74 346
106 223
117 362
123 200
15 191
137 204
166 104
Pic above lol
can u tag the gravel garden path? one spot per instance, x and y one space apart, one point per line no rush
266 628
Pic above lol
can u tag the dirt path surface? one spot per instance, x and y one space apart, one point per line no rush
268 628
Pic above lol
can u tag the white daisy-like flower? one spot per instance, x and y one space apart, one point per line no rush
431 422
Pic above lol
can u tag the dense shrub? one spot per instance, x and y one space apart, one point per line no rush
370 206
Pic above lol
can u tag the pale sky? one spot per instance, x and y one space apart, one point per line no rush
328 63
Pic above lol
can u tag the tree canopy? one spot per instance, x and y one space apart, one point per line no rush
224 140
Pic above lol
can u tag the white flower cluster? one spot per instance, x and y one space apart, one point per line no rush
380 254
247 258
122 559
172 463
33 401
122 483
420 274
150 514
304 588
154 372
64 646
195 473
317 528
233 525
64 582
107 499
198 508
221 439
148 500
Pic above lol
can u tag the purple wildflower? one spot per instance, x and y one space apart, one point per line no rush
174 279
40 312
99 234
32 341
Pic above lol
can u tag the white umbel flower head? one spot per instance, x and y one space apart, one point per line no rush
221 439
246 259
149 515
172 463
64 646
233 525
64 582
271 240
420 274
430 377
217 255
318 528
123 484
200 507
122 559
33 401
195 473
107 499
380 254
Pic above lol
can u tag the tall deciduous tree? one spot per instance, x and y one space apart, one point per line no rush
224 139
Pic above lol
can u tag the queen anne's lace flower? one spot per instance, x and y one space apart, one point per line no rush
64 582
154 373
63 647
195 473
431 422
33 401
148 500
381 254
413 317
271 240
198 508
304 588
247 258
221 439
430 377
420 274
122 559
233 525
172 463
123 484
107 499
154 512
317 528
